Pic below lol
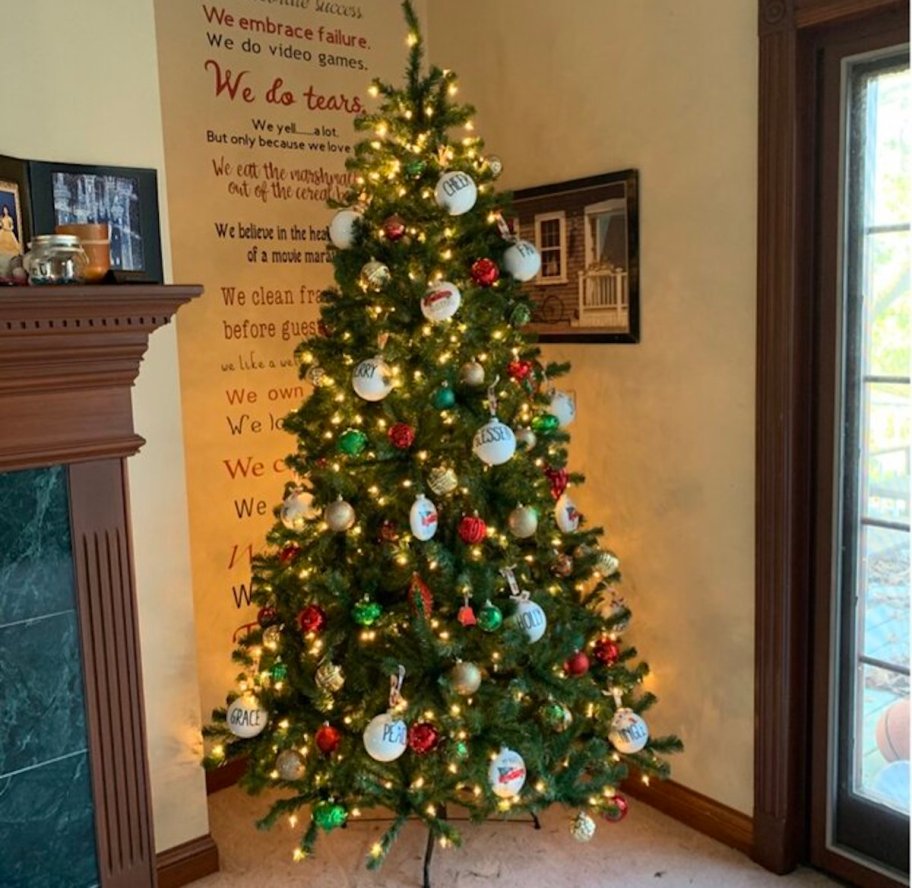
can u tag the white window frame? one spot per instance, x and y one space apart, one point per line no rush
561 217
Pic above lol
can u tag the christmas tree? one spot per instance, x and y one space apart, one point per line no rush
437 625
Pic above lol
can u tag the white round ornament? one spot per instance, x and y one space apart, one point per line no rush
523 522
290 764
494 443
628 733
522 260
563 406
245 717
372 379
583 827
441 301
297 509
343 228
423 518
507 773
566 514
456 192
385 737
530 618
340 516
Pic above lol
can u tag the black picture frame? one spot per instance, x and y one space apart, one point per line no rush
587 231
14 198
124 197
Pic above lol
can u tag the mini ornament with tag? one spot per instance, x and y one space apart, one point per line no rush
556 716
388 532
278 671
582 828
485 272
443 397
327 738
519 370
566 514
366 612
562 565
465 678
423 518
557 480
420 598
311 618
545 423
352 442
315 375
466 615
289 552
394 227
456 192
628 733
290 764
344 227
525 438
401 435
372 379
442 480
522 260
520 315
297 509
386 735
495 165
507 773
529 617
339 516
414 168
329 677
374 276
472 374
563 407
523 522
490 617
471 529
615 808
441 301
245 717
619 613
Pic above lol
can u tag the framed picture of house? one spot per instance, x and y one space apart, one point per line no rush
587 231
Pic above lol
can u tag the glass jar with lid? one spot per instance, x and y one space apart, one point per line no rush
56 259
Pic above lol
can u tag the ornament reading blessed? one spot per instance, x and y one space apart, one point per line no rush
494 443
441 301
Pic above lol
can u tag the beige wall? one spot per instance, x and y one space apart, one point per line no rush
85 89
665 434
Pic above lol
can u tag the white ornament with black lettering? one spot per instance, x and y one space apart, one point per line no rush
494 443
343 228
629 733
245 717
385 737
372 379
456 192
522 260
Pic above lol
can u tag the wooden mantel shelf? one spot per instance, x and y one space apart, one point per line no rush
68 359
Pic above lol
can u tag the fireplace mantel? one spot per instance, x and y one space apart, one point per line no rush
68 359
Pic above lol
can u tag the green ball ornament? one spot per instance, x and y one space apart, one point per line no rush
556 716
461 748
366 613
545 422
490 617
443 398
329 816
415 168
279 671
352 442
520 316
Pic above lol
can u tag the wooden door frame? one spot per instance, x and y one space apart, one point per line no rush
785 420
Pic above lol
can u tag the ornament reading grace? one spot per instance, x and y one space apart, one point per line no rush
245 717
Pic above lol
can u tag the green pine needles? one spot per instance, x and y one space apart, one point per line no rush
436 625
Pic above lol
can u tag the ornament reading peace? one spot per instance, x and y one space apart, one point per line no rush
494 443
385 737
372 379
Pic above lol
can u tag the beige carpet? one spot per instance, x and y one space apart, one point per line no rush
646 849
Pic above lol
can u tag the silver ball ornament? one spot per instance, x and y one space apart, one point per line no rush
290 764
472 373
582 828
523 522
525 438
465 678
340 516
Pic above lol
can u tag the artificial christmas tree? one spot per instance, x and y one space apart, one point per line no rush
437 624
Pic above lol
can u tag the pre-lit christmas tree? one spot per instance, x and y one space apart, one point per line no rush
437 625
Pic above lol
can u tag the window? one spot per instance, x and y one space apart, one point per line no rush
551 239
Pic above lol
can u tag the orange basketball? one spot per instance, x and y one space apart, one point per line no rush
893 731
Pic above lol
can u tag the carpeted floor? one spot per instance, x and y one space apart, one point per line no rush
646 849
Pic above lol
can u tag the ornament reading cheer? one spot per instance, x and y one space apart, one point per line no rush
494 443
372 379
441 301
456 192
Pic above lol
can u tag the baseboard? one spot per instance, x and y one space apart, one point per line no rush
698 811
187 862
225 776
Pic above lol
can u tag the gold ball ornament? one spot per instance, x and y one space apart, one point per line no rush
442 480
472 373
290 764
523 521
465 678
330 678
339 516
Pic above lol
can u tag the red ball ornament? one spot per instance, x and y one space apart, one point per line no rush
577 664
616 808
401 435
312 618
419 596
394 227
485 272
557 479
389 533
289 552
423 738
472 529
327 739
267 616
606 651
323 329
519 370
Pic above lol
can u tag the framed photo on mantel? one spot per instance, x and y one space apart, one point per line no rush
587 231
124 197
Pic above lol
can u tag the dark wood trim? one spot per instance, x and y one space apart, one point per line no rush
187 862
810 13
68 357
225 776
697 811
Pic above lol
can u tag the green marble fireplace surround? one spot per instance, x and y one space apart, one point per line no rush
47 826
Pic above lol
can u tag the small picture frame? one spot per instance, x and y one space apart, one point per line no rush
15 217
124 197
587 232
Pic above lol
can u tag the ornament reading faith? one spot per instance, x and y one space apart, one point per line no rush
456 192
441 301
494 443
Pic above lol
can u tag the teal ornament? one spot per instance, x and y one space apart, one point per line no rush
415 168
444 397
490 617
366 613
520 316
545 422
352 442
329 815
279 671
